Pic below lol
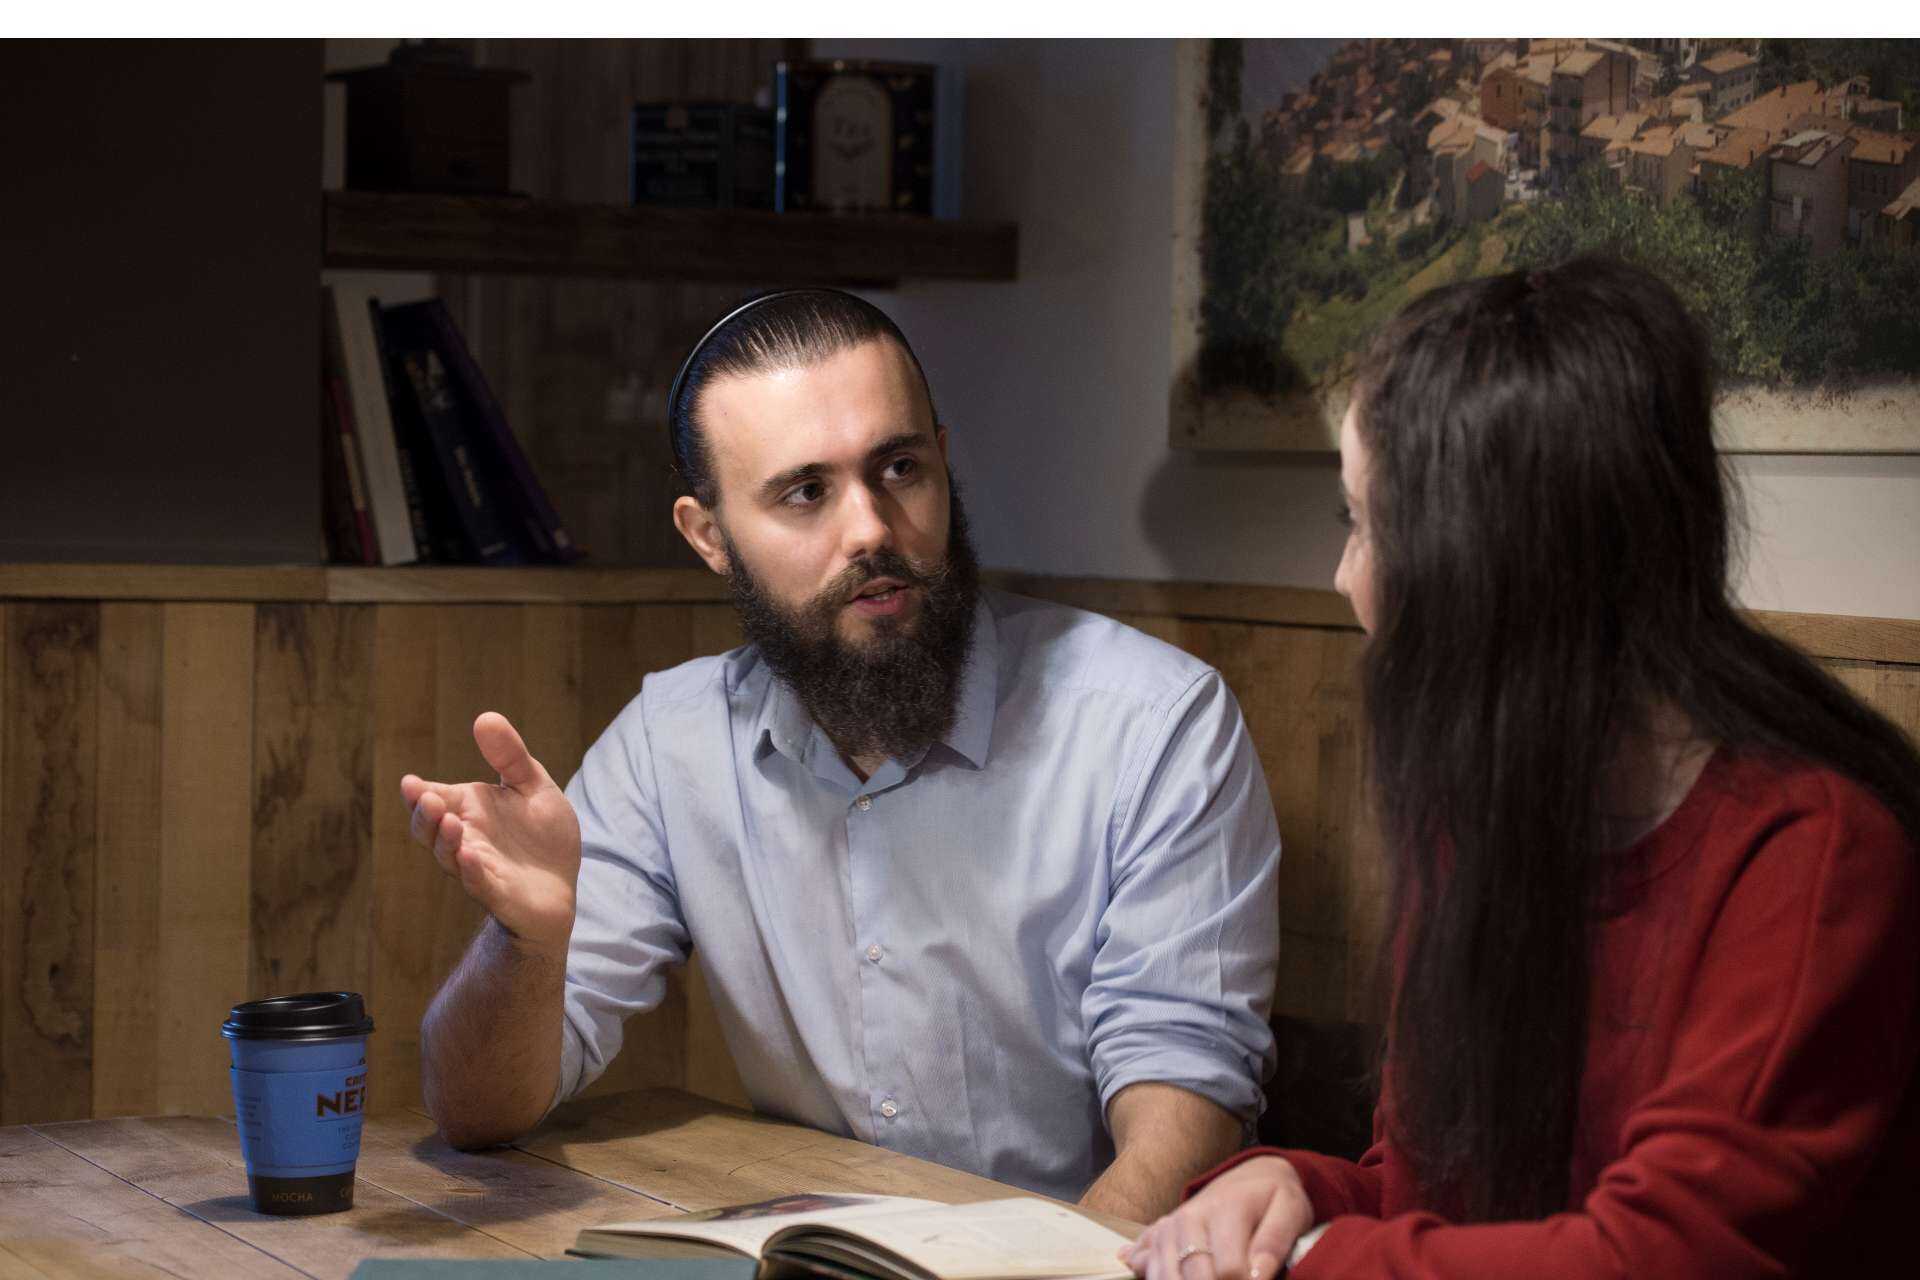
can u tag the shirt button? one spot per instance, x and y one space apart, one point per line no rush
874 953
888 1109
863 803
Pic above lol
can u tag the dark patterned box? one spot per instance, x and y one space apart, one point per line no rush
709 155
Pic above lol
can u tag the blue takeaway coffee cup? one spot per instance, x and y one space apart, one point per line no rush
300 1091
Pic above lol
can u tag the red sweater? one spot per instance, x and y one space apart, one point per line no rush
1747 1107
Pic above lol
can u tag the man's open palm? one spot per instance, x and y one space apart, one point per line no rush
514 847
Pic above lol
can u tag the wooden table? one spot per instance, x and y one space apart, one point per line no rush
166 1196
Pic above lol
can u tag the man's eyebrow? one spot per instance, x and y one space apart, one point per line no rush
774 485
895 443
778 483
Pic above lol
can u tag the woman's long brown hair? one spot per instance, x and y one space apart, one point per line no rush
1551 539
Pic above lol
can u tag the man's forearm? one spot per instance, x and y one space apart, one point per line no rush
1166 1137
490 1041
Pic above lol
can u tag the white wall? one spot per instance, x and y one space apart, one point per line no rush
1055 386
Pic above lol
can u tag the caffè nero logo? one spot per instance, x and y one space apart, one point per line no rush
350 1100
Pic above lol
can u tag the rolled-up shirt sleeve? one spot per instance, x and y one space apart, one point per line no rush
1187 946
628 929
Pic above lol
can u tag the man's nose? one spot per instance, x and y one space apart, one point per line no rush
865 524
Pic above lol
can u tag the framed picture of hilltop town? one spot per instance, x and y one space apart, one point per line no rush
1320 184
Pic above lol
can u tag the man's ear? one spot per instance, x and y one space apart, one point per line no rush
940 438
701 529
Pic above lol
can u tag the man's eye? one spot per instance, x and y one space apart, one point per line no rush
804 495
901 468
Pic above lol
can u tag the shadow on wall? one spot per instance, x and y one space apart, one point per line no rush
1245 517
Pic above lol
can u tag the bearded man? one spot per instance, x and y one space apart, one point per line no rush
972 877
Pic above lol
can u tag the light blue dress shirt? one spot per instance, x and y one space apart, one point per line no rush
967 955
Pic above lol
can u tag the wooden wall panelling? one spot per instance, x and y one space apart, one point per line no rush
408 905
129 805
1893 690
1349 830
312 798
47 871
551 639
716 629
206 775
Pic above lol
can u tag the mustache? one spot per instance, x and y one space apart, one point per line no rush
881 564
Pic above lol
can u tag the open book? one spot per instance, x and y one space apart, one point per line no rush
851 1237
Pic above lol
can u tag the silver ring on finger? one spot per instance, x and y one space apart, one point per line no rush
1190 1251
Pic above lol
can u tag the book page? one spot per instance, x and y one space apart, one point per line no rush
997 1238
746 1227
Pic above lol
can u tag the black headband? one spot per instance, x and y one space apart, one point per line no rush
686 366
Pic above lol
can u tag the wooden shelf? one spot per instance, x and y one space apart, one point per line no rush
520 236
1891 640
345 584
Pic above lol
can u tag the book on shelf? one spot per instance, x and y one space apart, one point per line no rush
350 538
436 526
424 383
499 450
857 1237
353 354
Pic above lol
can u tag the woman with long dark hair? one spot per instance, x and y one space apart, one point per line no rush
1655 957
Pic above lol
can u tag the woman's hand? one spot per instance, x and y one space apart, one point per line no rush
1241 1227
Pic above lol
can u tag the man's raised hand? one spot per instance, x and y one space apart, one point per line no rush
514 847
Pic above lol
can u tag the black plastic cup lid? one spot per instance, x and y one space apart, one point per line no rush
314 1015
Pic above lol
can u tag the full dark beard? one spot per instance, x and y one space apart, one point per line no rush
897 693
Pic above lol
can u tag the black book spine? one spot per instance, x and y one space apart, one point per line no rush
487 533
432 542
525 502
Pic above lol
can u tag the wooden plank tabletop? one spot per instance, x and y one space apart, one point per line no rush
166 1196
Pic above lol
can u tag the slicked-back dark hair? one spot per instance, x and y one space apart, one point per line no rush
1551 533
782 329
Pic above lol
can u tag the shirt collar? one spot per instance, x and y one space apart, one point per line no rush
786 727
972 730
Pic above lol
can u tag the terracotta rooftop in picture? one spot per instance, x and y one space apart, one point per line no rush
1618 128
1729 60
1701 137
1738 148
1879 148
1772 112
1578 64
1654 142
